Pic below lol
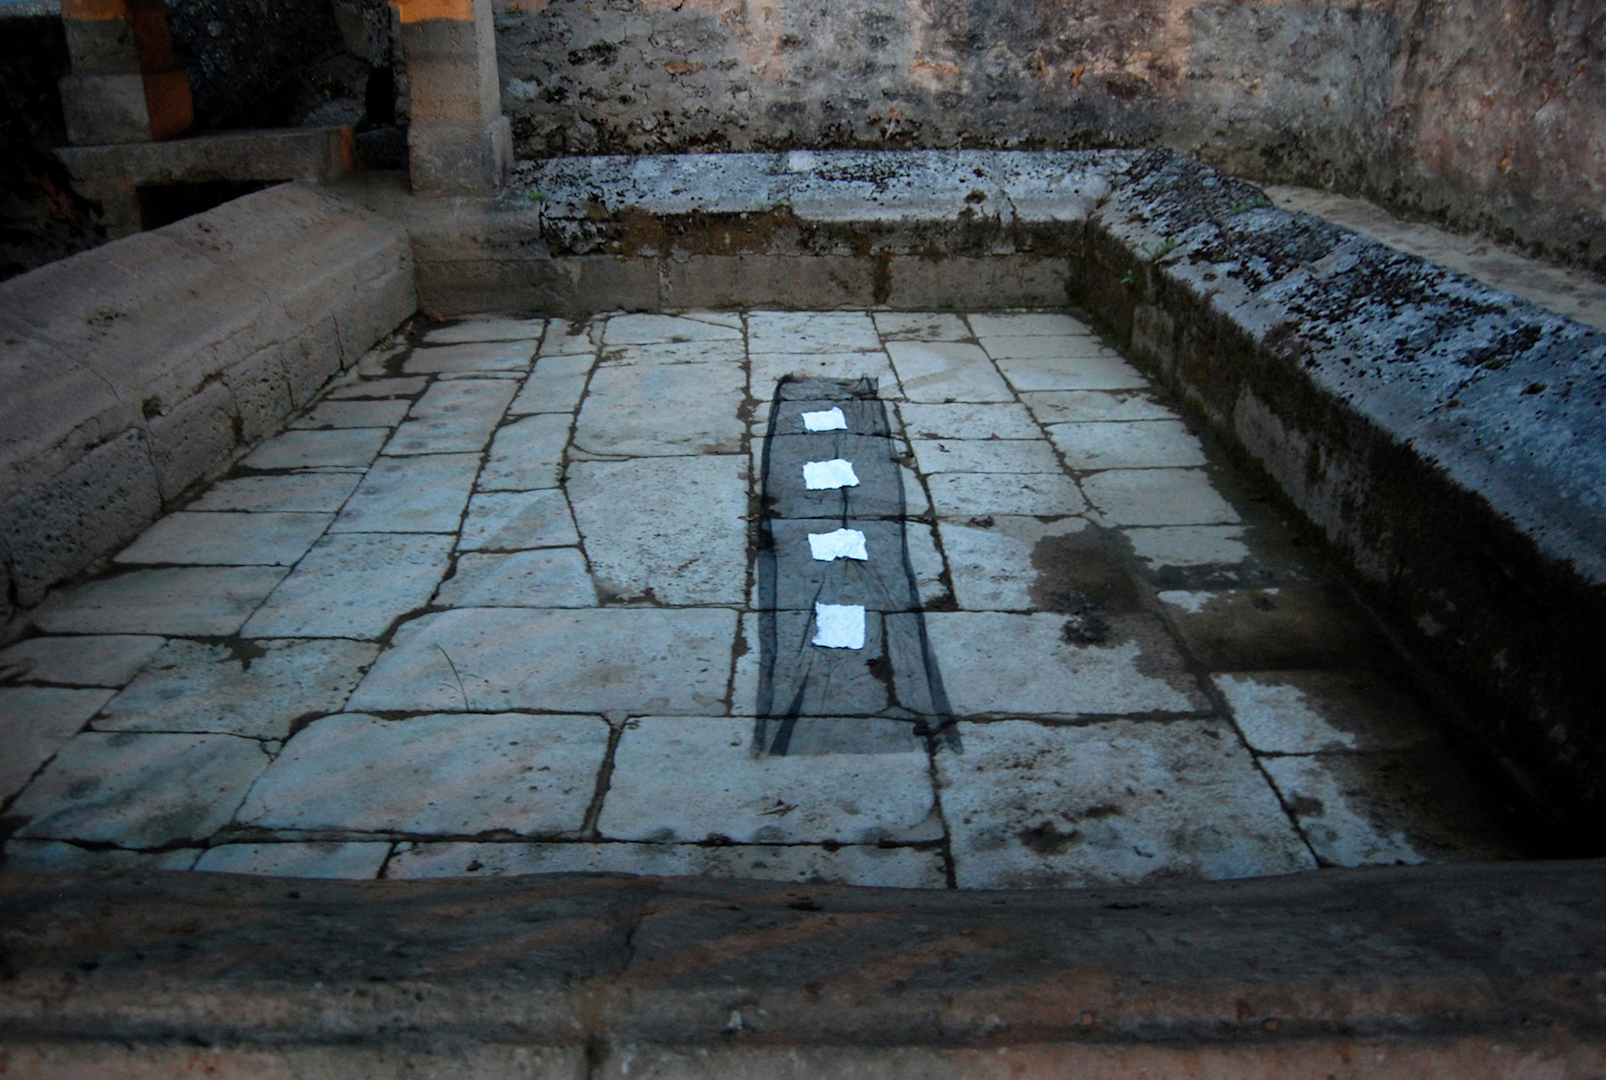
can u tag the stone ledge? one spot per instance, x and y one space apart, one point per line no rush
1448 438
140 367
1363 972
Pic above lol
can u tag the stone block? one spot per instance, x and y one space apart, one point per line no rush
358 414
966 495
527 454
354 585
968 421
284 493
697 779
811 332
609 659
1013 280
1297 626
140 790
199 601
126 108
555 386
679 409
80 660
1157 497
193 440
337 448
446 775
453 157
548 578
35 722
1306 712
767 369
517 521
426 493
1146 444
57 857
690 328
1023 665
992 456
91 507
669 530
455 416
485 329
226 539
250 689
1112 803
1094 406
495 355
920 326
946 371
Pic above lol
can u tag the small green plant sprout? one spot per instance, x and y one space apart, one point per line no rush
1159 251
538 196
1236 207
1130 279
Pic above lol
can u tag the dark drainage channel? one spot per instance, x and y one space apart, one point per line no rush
841 631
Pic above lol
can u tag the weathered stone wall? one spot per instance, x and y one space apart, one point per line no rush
1478 114
133 371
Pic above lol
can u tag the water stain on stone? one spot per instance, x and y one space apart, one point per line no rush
1045 839
1081 575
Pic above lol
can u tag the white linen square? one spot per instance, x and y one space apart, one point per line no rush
842 544
839 626
826 420
836 473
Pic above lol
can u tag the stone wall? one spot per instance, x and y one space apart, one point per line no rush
138 369
1481 115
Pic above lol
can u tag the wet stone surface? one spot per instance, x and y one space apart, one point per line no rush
522 596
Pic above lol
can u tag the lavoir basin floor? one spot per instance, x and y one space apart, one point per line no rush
913 600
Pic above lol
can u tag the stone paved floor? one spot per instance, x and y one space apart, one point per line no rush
490 607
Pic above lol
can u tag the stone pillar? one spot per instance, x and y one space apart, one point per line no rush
124 87
458 141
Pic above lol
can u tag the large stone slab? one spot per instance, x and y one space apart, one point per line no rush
1305 712
696 779
419 494
80 660
1298 626
1027 324
660 410
643 329
920 326
1004 664
767 369
967 420
1094 406
548 578
680 352
256 690
1148 444
671 530
527 454
455 416
137 790
635 660
945 372
290 492
490 329
996 567
517 521
200 601
354 585
985 456
555 386
347 447
505 355
35 722
354 414
967 495
1111 803
811 331
1157 497
445 775
227 539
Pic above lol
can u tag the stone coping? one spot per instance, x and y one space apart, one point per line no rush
1349 973
142 366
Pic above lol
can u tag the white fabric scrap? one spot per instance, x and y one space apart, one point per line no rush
842 544
839 626
836 473
826 420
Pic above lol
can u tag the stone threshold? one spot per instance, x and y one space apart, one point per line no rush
1472 970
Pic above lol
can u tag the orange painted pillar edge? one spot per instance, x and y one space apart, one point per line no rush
95 10
413 11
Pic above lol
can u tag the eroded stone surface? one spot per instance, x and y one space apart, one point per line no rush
251 689
1304 712
552 577
663 410
695 778
109 660
946 372
526 454
353 585
200 600
35 722
517 520
445 774
512 355
1112 802
316 859
1157 497
1148 444
290 492
966 495
453 417
351 447
419 494
671 530
137 790
637 660
227 539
